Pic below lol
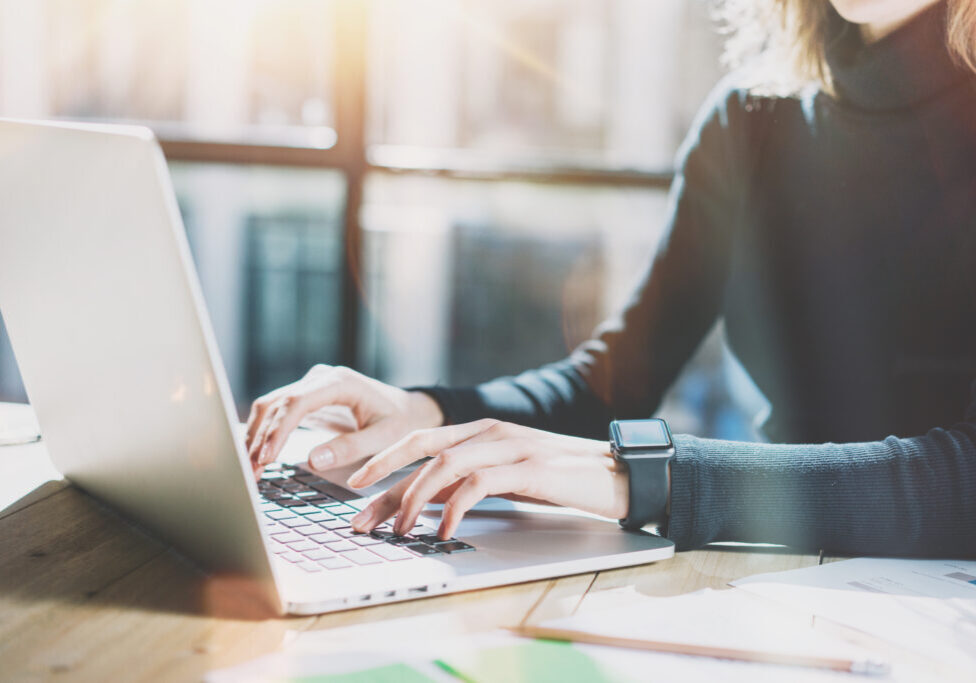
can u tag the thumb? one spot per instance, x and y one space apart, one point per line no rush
355 446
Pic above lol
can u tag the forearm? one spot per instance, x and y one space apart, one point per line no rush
555 398
914 496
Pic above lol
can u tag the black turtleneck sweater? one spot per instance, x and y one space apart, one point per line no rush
835 235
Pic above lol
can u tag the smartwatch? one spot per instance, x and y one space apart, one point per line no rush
645 449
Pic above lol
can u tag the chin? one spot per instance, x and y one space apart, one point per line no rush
879 11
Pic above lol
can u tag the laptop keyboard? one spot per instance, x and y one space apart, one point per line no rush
308 520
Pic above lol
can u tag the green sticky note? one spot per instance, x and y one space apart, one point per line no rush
540 661
391 673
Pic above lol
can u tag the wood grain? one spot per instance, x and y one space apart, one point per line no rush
86 596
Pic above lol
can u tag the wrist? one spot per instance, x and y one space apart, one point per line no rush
621 492
423 411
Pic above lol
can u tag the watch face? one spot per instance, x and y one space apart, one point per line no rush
642 434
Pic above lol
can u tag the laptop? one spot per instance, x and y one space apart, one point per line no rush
104 310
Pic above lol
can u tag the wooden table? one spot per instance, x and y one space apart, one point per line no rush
85 596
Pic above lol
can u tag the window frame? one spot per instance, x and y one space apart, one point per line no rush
355 159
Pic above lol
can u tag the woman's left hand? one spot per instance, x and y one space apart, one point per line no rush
491 458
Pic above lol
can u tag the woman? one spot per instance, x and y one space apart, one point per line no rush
833 228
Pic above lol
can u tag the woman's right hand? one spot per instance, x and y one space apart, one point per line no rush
383 414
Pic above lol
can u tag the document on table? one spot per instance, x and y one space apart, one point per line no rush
926 606
707 617
727 618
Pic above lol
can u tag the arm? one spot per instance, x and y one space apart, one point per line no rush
913 496
633 358
910 497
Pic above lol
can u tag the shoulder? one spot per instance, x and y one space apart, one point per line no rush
738 101
736 115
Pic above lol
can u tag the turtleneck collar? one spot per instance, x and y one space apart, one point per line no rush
905 68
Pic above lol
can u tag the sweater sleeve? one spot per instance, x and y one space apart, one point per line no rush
900 496
624 370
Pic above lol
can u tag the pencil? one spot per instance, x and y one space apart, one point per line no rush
871 667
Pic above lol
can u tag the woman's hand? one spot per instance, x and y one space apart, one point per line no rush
382 415
491 458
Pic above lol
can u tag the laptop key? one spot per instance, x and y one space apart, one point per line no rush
305 509
384 533
322 486
290 502
333 524
291 557
390 552
422 549
302 545
310 530
287 536
453 546
340 546
361 556
361 539
293 486
310 567
317 499
335 563
325 537
279 514
320 516
295 521
318 554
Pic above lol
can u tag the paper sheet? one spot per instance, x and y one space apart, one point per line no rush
725 618
926 606
707 617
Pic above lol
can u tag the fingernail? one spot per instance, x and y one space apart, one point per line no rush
362 520
356 478
322 459
263 457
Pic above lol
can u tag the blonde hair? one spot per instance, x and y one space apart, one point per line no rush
787 39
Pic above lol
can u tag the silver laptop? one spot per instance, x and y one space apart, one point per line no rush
104 310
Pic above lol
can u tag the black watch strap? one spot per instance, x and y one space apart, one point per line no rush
648 482
648 490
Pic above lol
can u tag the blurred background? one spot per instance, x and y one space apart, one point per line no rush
429 191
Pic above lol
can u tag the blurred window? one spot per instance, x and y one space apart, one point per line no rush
268 246
430 191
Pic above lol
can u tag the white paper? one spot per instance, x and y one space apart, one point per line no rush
341 650
718 618
926 606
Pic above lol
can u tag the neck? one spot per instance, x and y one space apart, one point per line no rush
874 31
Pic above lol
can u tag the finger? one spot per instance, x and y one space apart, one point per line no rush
257 444
454 464
289 413
271 421
253 418
259 409
382 507
332 386
413 447
446 492
352 447
488 482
